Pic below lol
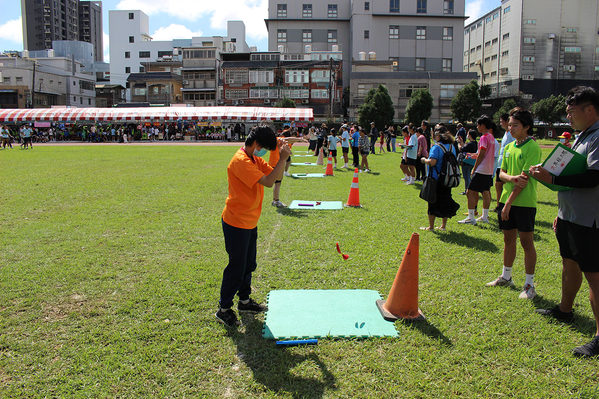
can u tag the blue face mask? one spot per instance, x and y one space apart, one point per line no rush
260 153
562 141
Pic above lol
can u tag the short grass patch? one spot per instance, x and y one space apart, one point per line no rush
110 272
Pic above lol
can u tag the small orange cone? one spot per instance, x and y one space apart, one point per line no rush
402 302
354 192
329 171
320 155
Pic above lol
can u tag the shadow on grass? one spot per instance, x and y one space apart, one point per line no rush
298 213
544 224
273 366
581 324
469 241
426 328
551 203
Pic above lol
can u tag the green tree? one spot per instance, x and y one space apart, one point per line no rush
466 105
485 91
507 106
285 103
420 106
550 110
377 108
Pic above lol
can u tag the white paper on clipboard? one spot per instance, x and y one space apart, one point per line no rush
558 161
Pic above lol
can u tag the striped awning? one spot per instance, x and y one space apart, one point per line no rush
169 114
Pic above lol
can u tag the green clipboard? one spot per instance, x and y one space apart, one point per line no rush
564 161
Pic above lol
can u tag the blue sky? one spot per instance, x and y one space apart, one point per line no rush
182 19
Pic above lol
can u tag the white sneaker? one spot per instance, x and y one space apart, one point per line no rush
528 292
409 183
405 179
482 220
500 282
367 170
468 221
278 204
287 174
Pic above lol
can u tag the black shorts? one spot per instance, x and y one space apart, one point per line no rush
345 150
520 217
410 161
403 162
497 179
578 243
480 183
333 153
289 159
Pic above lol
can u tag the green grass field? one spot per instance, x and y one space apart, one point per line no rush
110 269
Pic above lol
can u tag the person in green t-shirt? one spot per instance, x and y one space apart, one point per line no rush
518 202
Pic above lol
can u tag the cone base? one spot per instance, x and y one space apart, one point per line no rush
380 304
353 206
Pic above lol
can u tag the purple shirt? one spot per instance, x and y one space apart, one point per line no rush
487 164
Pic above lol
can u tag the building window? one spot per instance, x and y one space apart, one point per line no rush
571 30
236 76
141 69
506 10
447 63
127 69
393 5
332 11
450 91
297 76
505 53
572 49
420 64
307 36
528 59
448 33
127 54
282 35
530 21
307 11
236 94
281 10
494 73
421 7
421 32
19 79
479 47
530 40
448 7
131 15
494 41
406 90
165 54
488 59
131 39
394 32
144 54
366 34
493 57
366 5
528 77
332 36
487 44
319 93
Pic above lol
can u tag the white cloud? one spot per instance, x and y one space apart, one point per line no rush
174 31
13 31
251 12
474 9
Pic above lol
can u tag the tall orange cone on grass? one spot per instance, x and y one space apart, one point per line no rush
354 192
329 171
320 155
402 302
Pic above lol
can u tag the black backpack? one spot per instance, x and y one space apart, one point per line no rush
449 175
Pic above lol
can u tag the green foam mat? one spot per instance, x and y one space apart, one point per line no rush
311 205
304 164
294 314
304 175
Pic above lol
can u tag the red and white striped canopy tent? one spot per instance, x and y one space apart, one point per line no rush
167 114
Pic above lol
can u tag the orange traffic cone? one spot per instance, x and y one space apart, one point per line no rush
329 171
402 302
354 192
320 155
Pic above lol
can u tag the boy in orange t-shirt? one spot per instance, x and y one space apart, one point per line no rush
247 175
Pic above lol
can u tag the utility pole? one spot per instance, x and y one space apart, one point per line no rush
33 87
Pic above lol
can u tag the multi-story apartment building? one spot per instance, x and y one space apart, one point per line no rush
160 83
261 79
535 47
44 82
47 20
417 35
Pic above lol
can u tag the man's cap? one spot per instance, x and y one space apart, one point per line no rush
565 135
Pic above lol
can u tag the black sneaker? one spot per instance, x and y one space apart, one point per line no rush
557 314
228 318
251 306
589 350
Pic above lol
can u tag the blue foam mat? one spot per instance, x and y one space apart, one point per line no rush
294 314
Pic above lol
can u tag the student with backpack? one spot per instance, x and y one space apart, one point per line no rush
443 171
